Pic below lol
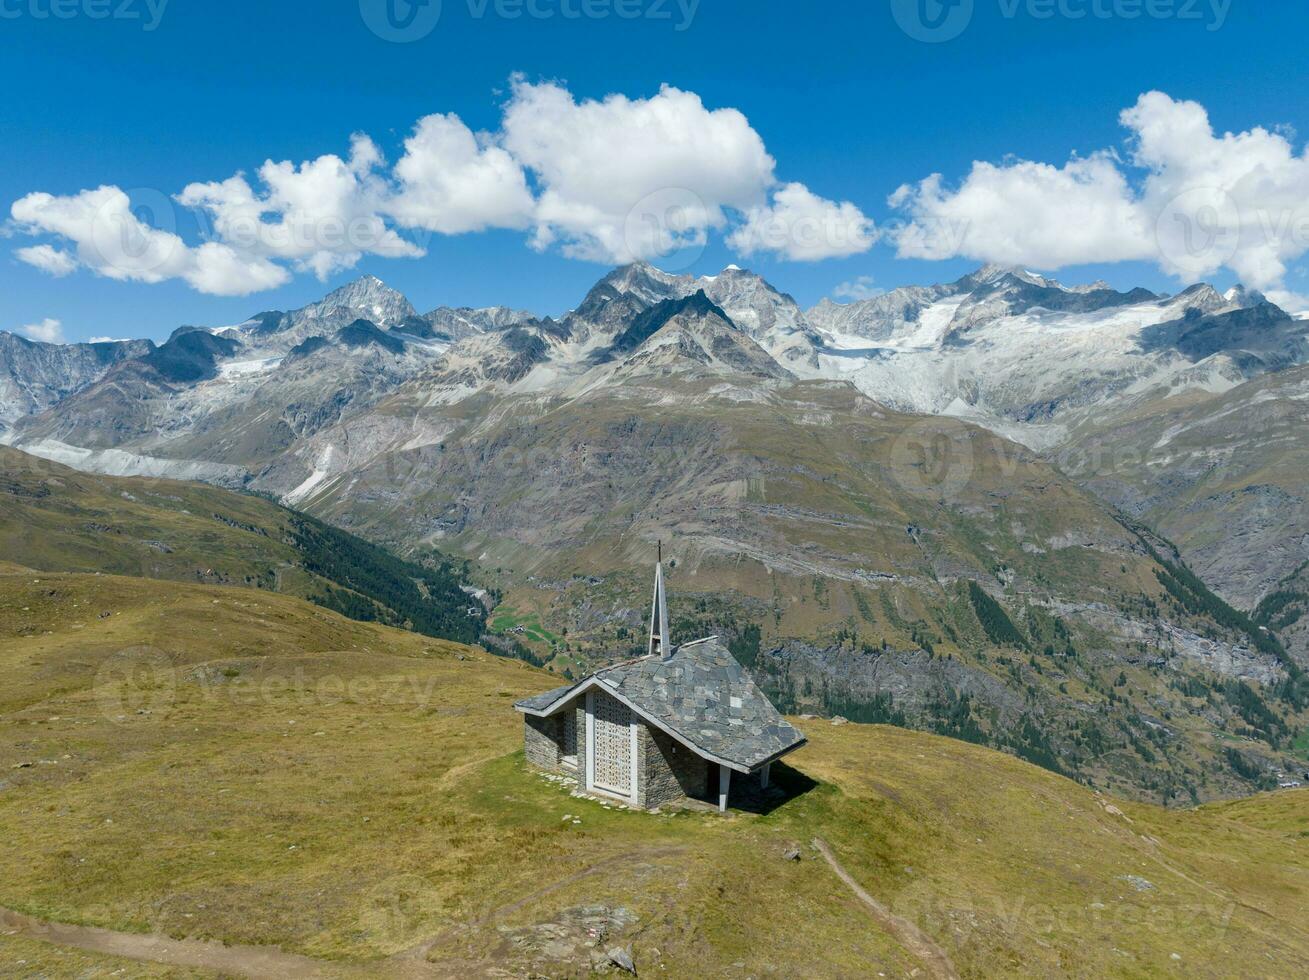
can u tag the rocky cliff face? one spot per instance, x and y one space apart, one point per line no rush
34 376
449 324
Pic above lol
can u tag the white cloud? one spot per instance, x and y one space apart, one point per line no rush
451 181
1025 213
326 212
1187 199
1239 199
107 340
864 287
801 226
49 259
48 331
609 180
223 271
624 179
1292 302
112 241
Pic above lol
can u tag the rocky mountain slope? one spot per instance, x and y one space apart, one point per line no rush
35 376
1223 475
1035 360
1181 410
887 565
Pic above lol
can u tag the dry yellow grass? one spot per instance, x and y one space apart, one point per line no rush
237 765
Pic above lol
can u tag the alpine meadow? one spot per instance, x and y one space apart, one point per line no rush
362 368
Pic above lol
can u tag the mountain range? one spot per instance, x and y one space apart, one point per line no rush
1064 520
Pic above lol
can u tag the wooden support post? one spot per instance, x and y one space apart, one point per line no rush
763 775
724 781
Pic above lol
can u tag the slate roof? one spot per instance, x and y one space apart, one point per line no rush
541 702
701 694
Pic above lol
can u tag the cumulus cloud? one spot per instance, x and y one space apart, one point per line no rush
1182 196
112 241
452 181
609 180
48 331
1239 199
799 225
623 179
1291 301
49 259
1025 213
326 211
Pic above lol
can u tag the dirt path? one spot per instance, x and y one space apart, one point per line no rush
905 932
243 961
260 962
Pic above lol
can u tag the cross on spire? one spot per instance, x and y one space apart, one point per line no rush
659 642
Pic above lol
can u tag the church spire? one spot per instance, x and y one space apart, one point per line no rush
659 644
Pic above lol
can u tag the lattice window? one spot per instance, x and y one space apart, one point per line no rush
613 745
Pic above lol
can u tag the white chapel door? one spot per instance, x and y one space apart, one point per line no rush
610 760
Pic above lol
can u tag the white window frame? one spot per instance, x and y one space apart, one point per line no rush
591 787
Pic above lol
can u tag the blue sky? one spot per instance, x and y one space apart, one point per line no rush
844 100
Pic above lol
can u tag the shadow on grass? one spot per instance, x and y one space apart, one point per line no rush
786 784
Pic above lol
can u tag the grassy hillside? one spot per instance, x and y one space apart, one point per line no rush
240 765
57 519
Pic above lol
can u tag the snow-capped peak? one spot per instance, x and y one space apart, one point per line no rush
994 272
1238 295
369 298
643 280
991 272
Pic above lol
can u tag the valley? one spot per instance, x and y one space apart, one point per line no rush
970 508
